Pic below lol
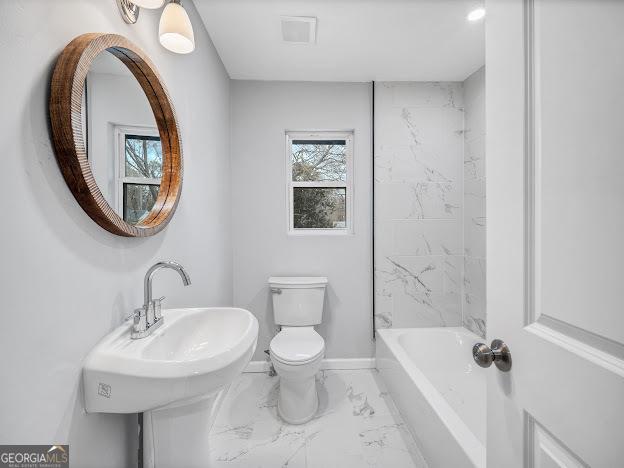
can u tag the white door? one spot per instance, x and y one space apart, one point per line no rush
555 206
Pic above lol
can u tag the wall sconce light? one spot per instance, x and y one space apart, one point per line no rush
175 31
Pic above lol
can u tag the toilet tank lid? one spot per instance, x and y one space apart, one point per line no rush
297 281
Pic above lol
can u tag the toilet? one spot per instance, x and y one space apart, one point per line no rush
297 350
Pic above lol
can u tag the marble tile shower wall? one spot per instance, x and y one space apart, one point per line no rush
419 160
473 297
426 190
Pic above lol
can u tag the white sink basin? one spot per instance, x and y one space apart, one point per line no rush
195 353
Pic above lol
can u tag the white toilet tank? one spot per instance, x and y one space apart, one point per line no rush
298 301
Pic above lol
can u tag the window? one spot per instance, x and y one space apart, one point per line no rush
140 171
319 171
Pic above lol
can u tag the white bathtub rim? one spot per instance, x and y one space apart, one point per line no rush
460 431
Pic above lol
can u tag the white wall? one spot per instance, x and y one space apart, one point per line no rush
261 113
65 282
473 297
418 204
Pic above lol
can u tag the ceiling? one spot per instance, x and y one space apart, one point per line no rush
356 40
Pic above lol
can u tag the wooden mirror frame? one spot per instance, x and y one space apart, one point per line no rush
66 90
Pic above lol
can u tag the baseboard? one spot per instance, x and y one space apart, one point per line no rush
328 364
257 366
346 364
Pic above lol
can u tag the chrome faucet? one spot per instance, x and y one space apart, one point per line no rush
149 317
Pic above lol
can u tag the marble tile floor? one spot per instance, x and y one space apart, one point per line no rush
357 425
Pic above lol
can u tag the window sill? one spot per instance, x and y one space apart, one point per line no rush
319 232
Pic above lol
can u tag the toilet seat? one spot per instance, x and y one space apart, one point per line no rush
297 346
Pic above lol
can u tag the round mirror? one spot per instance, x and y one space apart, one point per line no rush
115 135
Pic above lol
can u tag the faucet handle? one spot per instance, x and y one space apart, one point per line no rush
133 315
156 304
140 326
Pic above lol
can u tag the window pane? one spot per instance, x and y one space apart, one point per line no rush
143 156
316 160
319 208
138 200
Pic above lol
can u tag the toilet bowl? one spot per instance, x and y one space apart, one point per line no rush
297 350
297 354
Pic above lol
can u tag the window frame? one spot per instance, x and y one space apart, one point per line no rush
320 135
120 161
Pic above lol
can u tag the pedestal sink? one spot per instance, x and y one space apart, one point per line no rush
175 376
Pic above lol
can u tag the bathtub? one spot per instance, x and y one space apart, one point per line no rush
439 391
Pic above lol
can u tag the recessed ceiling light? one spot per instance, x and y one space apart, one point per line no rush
476 14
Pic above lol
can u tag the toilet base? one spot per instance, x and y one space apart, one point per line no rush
297 400
302 420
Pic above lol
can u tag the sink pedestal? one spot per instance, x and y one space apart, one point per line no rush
177 435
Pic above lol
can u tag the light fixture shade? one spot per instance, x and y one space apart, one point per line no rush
175 30
149 4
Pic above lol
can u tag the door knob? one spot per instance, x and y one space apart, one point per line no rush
497 353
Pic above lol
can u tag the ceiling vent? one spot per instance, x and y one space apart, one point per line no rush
299 29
